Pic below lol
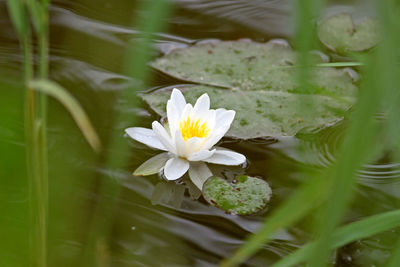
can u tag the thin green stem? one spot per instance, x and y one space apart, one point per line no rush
42 132
34 165
43 58
35 131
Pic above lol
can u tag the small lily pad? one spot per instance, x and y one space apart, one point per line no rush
340 34
245 195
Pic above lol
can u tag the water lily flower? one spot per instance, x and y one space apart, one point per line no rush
189 140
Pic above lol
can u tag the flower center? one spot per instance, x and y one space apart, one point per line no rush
193 128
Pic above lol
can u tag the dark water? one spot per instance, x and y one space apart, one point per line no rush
88 44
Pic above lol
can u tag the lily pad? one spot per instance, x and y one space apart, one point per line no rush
244 196
340 34
258 81
263 113
250 66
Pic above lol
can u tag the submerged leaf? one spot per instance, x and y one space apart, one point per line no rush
340 34
246 195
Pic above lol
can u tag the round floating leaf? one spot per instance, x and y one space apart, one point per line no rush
263 113
250 66
244 196
339 33
258 81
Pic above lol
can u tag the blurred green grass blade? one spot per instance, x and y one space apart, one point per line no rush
16 11
359 141
305 37
153 13
14 219
352 232
35 10
394 260
308 196
366 227
354 152
340 64
71 104
298 205
391 21
390 16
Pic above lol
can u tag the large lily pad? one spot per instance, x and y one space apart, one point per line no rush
259 82
245 195
339 33
250 66
263 113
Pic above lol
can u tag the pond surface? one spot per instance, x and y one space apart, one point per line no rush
89 39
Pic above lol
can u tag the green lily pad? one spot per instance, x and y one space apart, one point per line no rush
244 196
250 66
340 34
263 113
259 82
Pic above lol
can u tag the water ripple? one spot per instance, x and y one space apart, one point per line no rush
388 173
321 148
116 34
271 17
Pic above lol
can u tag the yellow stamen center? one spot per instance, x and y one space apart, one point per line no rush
193 128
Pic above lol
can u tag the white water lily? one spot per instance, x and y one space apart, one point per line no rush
189 140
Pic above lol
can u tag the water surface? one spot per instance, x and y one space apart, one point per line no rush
88 44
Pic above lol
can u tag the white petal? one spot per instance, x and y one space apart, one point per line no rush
145 136
199 173
163 136
175 168
186 112
223 122
209 117
224 117
215 136
152 165
180 144
173 117
178 100
201 155
226 157
202 106
194 144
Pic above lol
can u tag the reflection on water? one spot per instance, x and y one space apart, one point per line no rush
88 42
269 17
